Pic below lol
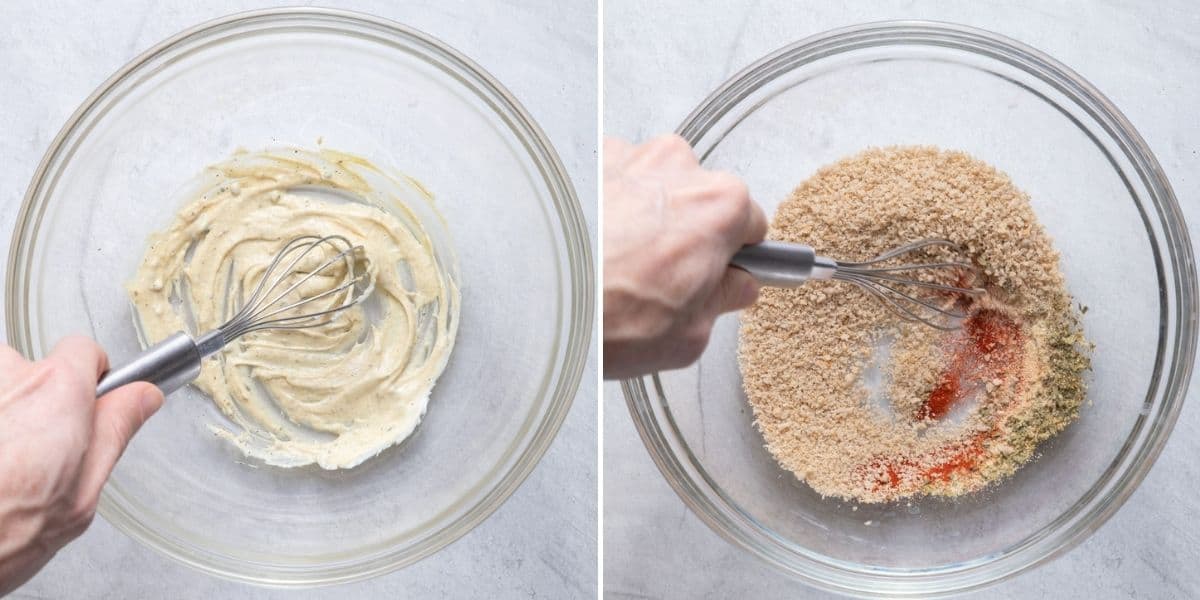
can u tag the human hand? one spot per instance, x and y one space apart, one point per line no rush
670 229
58 444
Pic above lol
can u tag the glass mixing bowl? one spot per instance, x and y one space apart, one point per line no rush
405 101
1103 198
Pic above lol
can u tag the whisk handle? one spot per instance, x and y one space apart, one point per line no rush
782 264
169 364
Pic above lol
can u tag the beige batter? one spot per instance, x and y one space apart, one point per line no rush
334 395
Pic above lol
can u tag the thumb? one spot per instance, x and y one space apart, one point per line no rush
119 415
736 290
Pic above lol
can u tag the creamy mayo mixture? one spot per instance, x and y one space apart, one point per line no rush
334 395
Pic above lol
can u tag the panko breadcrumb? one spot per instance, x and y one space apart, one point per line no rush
1016 366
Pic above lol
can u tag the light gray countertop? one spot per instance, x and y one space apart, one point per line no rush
661 59
542 542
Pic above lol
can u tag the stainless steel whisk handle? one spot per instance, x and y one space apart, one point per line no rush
169 364
781 264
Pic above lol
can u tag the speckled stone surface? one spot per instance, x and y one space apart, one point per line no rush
542 542
661 60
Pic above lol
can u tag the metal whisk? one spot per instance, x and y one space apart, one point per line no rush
781 264
175 361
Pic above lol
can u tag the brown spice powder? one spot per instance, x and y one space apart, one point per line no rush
1019 358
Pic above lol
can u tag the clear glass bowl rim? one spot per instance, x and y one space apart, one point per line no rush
580 308
663 439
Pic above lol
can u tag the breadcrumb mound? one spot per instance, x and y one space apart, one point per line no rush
1016 367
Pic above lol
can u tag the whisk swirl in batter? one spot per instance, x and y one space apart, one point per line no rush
336 394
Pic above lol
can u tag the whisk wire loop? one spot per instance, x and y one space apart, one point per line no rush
257 311
943 311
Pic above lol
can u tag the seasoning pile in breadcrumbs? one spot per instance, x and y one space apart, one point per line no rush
958 409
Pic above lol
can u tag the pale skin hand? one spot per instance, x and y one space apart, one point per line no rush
58 444
670 229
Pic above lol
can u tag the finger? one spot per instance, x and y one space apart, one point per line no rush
119 415
12 366
8 355
665 153
616 154
83 356
736 290
756 225
738 219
